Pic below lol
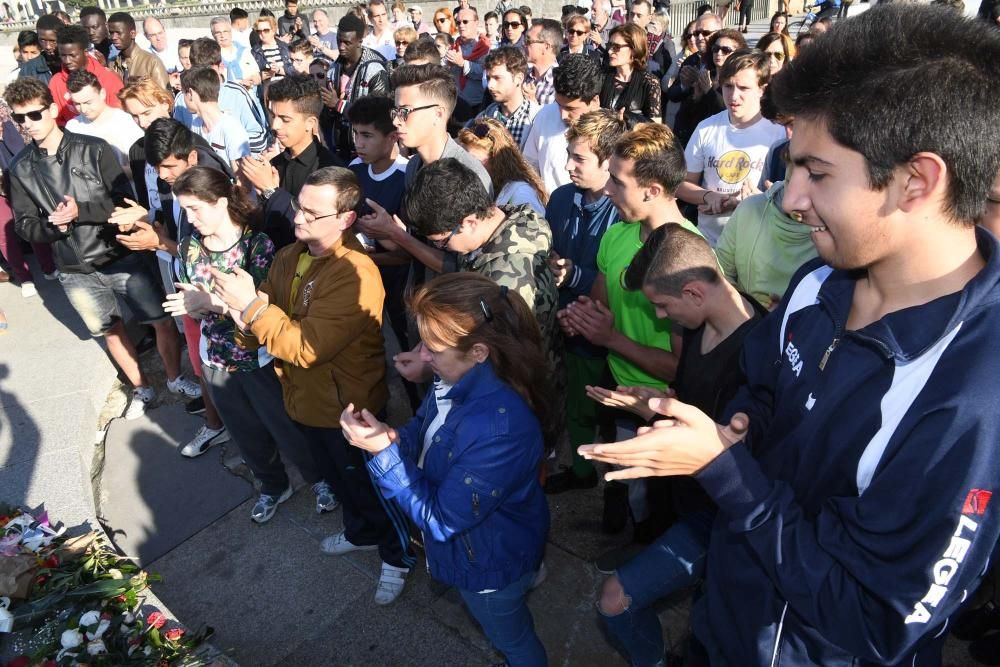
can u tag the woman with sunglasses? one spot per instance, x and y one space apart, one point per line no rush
516 182
512 28
444 22
706 94
629 89
780 49
465 468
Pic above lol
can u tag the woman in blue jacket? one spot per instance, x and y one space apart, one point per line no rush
466 467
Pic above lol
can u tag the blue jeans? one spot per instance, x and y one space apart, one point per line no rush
675 560
506 621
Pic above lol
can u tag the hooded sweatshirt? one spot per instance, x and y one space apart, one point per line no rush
861 520
761 248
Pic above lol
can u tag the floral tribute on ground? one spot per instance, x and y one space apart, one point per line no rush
76 601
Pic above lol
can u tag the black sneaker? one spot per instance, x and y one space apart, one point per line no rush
568 481
615 516
195 406
975 623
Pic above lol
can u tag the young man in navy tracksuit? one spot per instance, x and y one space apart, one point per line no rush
855 476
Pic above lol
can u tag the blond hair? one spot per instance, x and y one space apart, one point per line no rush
506 163
146 92
601 129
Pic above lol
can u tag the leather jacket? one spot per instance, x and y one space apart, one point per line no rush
87 169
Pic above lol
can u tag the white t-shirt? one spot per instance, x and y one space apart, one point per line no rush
114 126
545 147
726 157
385 44
228 138
441 389
169 58
520 193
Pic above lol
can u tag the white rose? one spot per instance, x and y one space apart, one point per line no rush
90 618
71 638
96 647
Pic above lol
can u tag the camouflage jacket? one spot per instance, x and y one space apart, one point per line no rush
517 256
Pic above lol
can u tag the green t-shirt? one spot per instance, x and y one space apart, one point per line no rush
635 316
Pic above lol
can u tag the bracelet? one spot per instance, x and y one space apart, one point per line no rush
257 301
704 197
256 315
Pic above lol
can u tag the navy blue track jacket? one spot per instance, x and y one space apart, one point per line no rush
863 517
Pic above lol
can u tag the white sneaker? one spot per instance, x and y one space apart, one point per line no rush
390 584
338 545
28 290
203 439
141 397
52 276
184 387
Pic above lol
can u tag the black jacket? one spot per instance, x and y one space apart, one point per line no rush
286 25
370 77
286 57
87 169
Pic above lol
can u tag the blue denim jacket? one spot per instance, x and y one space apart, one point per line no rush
477 499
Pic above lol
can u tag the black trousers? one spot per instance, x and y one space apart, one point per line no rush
369 517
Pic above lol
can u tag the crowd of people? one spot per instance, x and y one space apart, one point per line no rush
760 277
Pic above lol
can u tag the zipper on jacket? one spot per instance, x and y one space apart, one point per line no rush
475 504
468 547
777 637
829 351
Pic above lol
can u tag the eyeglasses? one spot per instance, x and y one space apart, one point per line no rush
534 41
35 115
403 113
724 50
309 216
703 33
441 19
777 55
616 47
481 130
263 30
466 21
402 42
577 33
512 24
993 199
442 244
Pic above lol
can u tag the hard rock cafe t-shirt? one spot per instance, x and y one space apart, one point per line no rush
727 157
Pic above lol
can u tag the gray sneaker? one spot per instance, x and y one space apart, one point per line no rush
267 505
325 500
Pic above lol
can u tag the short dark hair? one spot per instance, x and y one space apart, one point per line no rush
49 22
301 91
511 57
184 43
80 79
202 80
341 179
741 59
73 34
938 95
434 81
123 17
351 23
657 156
21 91
27 38
93 10
423 47
671 258
205 52
703 9
300 46
372 110
491 15
443 194
236 13
166 137
578 77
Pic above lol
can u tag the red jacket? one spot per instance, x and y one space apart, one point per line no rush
60 93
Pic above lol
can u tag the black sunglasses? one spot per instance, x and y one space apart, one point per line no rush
724 50
35 115
466 21
511 24
578 33
703 33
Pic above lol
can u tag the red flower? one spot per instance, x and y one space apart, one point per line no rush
119 598
52 562
156 620
41 579
173 634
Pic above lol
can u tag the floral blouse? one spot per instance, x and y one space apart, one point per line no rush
219 345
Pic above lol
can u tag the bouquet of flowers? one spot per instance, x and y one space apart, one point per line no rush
78 602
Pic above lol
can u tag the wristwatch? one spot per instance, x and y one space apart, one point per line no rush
267 193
